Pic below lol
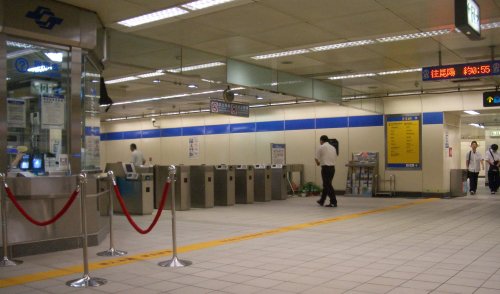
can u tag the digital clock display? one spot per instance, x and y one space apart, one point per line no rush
461 71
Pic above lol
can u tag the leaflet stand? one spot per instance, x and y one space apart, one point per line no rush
362 174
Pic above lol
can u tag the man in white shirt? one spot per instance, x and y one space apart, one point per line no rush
137 157
493 159
474 161
326 156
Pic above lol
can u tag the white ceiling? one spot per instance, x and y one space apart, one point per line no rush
247 28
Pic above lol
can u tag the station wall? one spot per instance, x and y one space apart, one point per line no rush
357 125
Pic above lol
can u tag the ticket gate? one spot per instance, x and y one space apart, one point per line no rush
202 186
181 189
224 185
279 182
244 192
262 182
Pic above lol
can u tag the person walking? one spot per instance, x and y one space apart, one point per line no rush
474 163
493 159
326 156
137 157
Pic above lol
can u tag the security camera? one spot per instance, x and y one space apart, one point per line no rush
153 120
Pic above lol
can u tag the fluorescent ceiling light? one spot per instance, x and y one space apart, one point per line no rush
257 105
403 94
476 125
40 68
306 101
20 45
192 86
195 67
152 17
343 45
281 54
20 53
259 98
120 80
354 97
151 74
202 4
491 25
283 103
394 72
167 97
352 76
414 36
471 112
92 75
55 56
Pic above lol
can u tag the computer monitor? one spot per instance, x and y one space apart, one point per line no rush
37 165
130 171
24 164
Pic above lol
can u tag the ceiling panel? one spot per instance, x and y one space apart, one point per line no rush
234 46
294 35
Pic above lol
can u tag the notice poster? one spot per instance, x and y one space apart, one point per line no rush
16 113
194 148
53 110
403 138
278 153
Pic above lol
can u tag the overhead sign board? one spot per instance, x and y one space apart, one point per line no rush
229 108
491 99
461 71
468 18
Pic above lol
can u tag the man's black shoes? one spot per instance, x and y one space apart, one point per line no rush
331 205
320 202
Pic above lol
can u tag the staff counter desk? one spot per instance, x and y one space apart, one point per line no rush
43 197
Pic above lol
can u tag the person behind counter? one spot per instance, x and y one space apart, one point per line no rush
137 156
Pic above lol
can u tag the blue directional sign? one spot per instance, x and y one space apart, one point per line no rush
229 108
491 99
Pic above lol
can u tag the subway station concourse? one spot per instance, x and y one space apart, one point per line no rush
169 146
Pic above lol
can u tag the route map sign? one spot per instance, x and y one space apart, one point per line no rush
403 138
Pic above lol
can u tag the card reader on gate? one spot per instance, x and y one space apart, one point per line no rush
130 172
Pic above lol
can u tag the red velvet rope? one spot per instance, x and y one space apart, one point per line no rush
47 222
158 212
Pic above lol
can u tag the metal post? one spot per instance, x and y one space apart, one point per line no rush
111 251
86 280
5 243
174 262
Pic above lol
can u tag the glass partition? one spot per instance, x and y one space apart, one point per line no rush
91 117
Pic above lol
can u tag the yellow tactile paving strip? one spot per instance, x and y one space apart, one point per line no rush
12 281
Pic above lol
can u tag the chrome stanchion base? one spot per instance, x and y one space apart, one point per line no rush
86 281
112 252
7 262
175 262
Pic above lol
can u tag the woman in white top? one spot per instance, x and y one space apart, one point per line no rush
474 161
493 159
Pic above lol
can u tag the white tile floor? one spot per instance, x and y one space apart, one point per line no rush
446 246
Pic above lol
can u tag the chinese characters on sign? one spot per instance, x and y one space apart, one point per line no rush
403 141
461 71
235 109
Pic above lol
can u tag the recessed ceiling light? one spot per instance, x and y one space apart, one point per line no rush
202 4
280 54
192 86
152 17
471 112
259 98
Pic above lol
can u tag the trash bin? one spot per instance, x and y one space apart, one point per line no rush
224 185
244 192
181 188
262 182
278 182
458 182
202 186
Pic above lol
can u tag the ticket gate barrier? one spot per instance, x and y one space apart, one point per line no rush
279 182
244 192
202 186
224 185
137 194
181 188
262 182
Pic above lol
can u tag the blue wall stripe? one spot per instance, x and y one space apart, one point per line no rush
243 128
432 118
270 126
171 132
300 124
331 122
217 129
193 131
366 121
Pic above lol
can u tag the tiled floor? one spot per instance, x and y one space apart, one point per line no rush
444 246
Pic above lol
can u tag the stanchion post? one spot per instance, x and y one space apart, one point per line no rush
86 280
111 251
174 262
5 243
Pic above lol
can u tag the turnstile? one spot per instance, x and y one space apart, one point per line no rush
202 186
262 182
244 192
224 185
137 194
181 188
279 182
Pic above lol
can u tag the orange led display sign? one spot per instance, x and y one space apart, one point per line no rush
461 71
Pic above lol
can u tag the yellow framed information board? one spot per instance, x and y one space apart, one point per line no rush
403 141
